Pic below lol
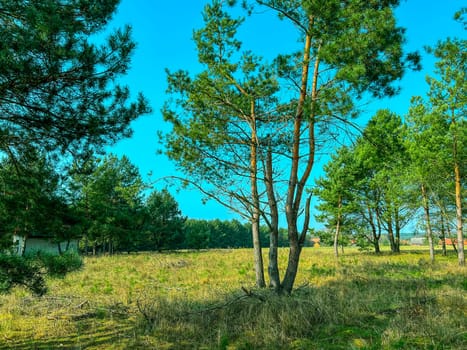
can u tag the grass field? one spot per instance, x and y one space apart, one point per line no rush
194 300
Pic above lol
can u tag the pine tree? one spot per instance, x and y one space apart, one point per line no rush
58 88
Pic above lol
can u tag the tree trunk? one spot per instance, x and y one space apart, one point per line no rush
255 219
336 241
429 233
86 245
296 186
376 234
460 235
22 246
391 236
273 267
448 229
398 231
376 246
458 192
292 265
296 244
443 235
338 226
258 255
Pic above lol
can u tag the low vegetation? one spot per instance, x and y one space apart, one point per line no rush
29 271
188 300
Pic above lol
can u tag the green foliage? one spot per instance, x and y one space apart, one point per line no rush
21 271
239 115
59 265
110 199
163 222
438 138
394 163
361 41
367 187
33 200
212 112
59 88
212 234
58 93
385 202
197 234
29 271
334 189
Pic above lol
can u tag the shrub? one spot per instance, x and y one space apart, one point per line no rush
16 270
60 265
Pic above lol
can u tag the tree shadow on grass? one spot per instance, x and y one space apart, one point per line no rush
102 336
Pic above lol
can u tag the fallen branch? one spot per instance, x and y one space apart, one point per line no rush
80 305
252 294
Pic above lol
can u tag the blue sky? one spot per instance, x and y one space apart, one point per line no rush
163 31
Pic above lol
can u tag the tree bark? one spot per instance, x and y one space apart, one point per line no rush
296 186
273 267
398 231
376 246
296 244
376 234
22 247
338 226
391 236
257 251
453 243
460 235
256 212
443 235
429 233
458 193
292 266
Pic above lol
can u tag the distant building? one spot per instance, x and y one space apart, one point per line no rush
33 244
417 241
315 242
451 241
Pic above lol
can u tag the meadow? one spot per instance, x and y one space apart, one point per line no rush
205 300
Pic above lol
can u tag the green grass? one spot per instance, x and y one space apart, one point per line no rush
194 300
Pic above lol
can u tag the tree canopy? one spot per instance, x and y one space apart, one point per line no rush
59 99
241 114
58 86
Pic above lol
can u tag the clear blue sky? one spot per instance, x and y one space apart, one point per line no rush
163 31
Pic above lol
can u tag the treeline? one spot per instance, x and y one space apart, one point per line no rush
205 234
399 172
105 204
183 233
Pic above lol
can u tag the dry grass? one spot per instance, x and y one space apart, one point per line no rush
193 300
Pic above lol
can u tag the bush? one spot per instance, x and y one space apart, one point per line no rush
16 270
60 265
29 271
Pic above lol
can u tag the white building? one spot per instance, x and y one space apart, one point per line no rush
417 241
27 245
